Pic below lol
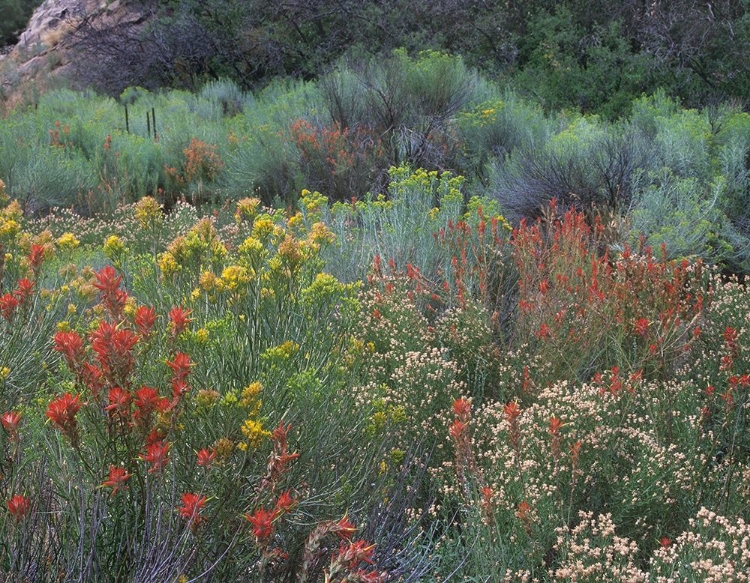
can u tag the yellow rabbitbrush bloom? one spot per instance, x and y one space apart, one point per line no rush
168 264
250 400
320 234
200 246
114 248
201 336
236 278
254 432
207 398
209 282
247 209
313 203
148 213
263 227
250 393
8 229
12 212
282 352
68 242
296 221
290 252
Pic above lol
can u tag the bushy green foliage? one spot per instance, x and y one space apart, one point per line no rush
339 137
16 14
563 391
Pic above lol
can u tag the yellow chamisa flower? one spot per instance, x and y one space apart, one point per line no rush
324 286
63 326
254 432
201 335
251 391
267 293
148 213
251 247
250 397
283 351
13 212
167 264
235 278
208 281
313 202
4 373
218 250
320 234
275 264
229 398
131 306
296 221
8 229
246 210
290 252
114 248
207 398
223 448
262 227
68 242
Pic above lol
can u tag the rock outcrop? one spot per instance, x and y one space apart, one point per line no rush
41 59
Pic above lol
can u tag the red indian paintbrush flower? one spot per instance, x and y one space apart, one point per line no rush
119 402
280 458
457 430
462 408
23 291
92 377
205 458
641 327
147 401
19 506
154 436
36 256
181 366
144 320
262 521
156 455
70 345
191 507
8 304
344 528
113 348
512 411
353 553
113 298
179 320
524 509
285 503
117 478
10 420
107 280
62 412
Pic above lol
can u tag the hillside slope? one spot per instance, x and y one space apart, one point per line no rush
43 57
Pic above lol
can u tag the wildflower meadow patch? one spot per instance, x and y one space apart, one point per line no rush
403 388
